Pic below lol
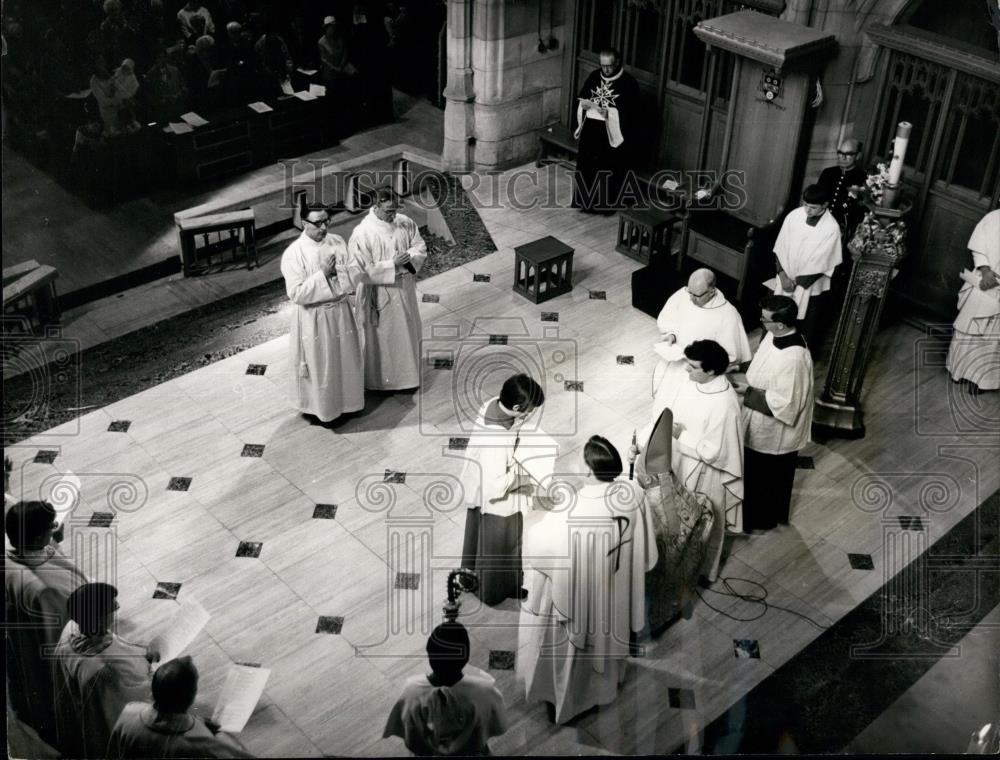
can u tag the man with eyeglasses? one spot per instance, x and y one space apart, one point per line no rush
326 368
388 249
605 114
698 312
777 411
842 183
808 252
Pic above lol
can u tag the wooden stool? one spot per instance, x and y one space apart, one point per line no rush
543 269
644 233
238 225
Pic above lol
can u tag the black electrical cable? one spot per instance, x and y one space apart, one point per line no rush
758 598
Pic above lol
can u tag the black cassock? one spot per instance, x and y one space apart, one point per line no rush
601 169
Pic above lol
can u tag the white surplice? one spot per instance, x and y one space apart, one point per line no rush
708 456
142 731
974 353
100 675
36 588
449 720
491 476
717 320
786 377
387 304
326 372
585 573
803 249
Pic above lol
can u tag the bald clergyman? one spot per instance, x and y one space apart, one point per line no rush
697 312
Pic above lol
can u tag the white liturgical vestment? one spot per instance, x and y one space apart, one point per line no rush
803 249
325 343
786 377
387 303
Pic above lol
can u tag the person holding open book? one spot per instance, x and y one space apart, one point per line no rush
168 727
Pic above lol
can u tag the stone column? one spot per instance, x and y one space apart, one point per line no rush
459 110
877 248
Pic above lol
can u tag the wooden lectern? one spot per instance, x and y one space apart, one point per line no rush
766 139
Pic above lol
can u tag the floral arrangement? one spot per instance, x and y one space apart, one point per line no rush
876 182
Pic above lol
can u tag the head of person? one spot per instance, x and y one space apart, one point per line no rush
30 525
315 220
329 27
386 204
112 9
175 686
233 31
610 61
92 607
448 651
701 286
520 395
705 360
815 201
778 314
204 46
602 459
848 153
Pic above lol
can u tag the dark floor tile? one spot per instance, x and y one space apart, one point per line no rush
249 549
179 484
550 316
861 561
498 340
458 444
804 463
253 450
167 590
598 295
501 659
480 278
325 511
681 698
256 369
431 298
408 581
101 520
625 359
746 649
119 426
391 476
911 522
46 456
442 363
574 385
329 624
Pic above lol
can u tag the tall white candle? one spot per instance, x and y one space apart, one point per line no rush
899 151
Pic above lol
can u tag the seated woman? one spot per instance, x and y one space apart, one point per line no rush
586 571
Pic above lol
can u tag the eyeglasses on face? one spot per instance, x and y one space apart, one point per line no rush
847 153
319 222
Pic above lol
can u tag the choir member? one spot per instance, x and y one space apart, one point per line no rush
325 342
808 251
778 411
100 672
388 248
606 116
38 579
974 354
586 589
453 710
168 727
698 312
491 479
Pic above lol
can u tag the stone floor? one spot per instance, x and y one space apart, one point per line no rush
197 470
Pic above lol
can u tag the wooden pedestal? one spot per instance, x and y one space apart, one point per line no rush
645 233
543 269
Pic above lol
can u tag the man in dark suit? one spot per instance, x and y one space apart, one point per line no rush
838 180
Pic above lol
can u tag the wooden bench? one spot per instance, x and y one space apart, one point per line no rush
234 230
556 145
31 291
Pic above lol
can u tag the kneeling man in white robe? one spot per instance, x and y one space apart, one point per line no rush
326 366
586 590
388 248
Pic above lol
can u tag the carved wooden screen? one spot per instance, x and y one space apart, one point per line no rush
970 152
